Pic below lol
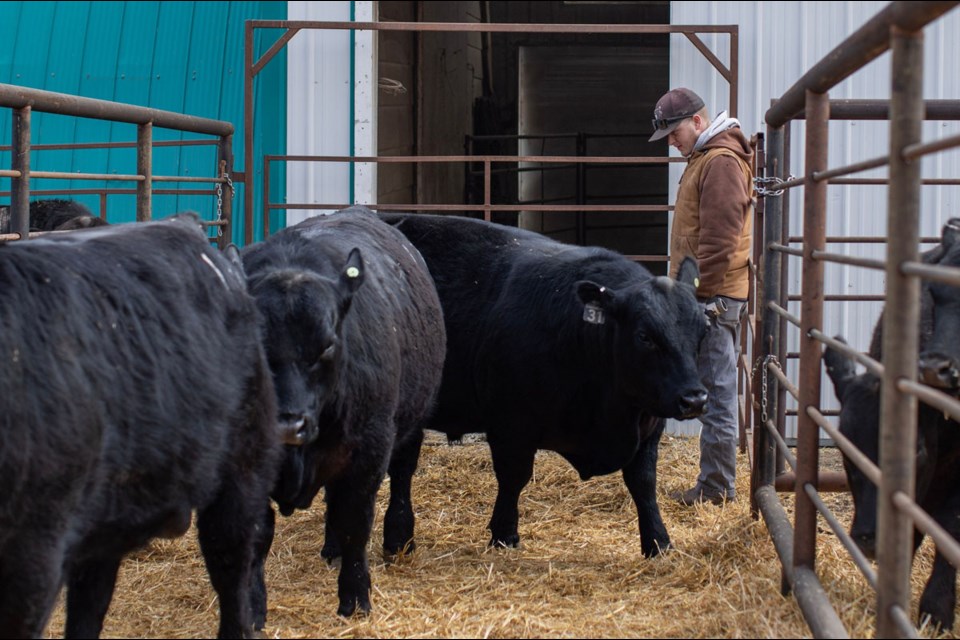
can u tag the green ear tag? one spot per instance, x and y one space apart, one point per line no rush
352 272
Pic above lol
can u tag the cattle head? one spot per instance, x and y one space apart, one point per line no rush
939 362
859 419
656 326
302 314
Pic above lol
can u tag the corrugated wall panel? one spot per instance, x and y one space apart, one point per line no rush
779 41
179 56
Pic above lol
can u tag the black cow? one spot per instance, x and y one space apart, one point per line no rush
355 338
551 346
938 437
134 390
54 215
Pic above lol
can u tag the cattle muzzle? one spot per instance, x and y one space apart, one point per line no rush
297 429
692 404
939 371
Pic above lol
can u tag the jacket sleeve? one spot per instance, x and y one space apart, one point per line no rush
724 203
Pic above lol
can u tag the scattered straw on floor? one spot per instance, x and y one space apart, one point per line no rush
578 573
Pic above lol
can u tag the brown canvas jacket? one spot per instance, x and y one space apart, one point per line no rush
713 216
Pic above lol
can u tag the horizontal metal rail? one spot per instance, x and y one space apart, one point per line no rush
111 145
860 560
946 543
915 151
793 251
781 444
782 379
783 313
862 239
842 297
948 405
649 208
946 275
873 366
840 258
487 27
16 97
865 464
479 159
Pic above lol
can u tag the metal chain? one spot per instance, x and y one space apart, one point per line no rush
226 177
763 191
763 383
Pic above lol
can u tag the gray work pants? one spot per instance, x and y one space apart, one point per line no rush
720 434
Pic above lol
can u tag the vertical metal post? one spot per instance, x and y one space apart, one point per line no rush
145 169
764 472
225 165
486 189
898 421
20 187
581 188
248 133
814 236
266 197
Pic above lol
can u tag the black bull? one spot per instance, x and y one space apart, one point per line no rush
938 437
134 390
551 346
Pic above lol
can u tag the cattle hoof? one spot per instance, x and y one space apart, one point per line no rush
351 606
508 542
394 552
656 549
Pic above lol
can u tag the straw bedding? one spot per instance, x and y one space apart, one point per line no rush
578 573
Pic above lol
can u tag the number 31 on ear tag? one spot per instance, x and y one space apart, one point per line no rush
593 314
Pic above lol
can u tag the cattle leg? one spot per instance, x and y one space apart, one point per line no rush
331 546
350 505
939 597
513 468
89 592
227 533
258 585
398 523
640 476
30 578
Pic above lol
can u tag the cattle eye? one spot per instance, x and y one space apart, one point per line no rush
327 355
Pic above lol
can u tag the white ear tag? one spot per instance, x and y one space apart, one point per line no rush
352 272
593 314
696 283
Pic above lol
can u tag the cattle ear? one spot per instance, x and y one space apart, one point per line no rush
950 231
232 253
839 368
689 272
591 293
352 275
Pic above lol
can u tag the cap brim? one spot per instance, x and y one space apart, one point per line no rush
663 133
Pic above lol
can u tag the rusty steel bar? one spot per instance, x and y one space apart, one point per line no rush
782 446
487 201
863 239
785 249
946 275
784 382
225 165
18 97
111 145
4 173
898 416
492 27
859 559
840 258
873 109
20 186
266 198
882 181
936 399
491 158
248 122
115 192
66 175
865 464
811 316
946 543
864 45
145 169
842 298
783 313
872 365
649 208
856 167
827 482
914 151
813 601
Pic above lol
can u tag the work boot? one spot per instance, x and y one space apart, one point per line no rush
698 495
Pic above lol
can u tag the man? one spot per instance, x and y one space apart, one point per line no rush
713 220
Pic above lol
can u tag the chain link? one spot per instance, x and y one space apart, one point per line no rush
763 383
763 191
226 177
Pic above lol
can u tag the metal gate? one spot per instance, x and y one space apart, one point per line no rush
899 28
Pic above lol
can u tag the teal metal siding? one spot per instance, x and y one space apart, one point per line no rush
185 57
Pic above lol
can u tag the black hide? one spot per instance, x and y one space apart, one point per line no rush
551 346
938 438
355 338
134 390
54 215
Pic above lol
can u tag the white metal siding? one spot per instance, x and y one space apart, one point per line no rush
779 42
319 118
